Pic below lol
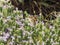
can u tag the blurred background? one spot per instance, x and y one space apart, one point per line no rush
14 30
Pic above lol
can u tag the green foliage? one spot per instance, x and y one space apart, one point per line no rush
24 34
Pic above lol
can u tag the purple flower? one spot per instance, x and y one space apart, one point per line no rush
5 36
